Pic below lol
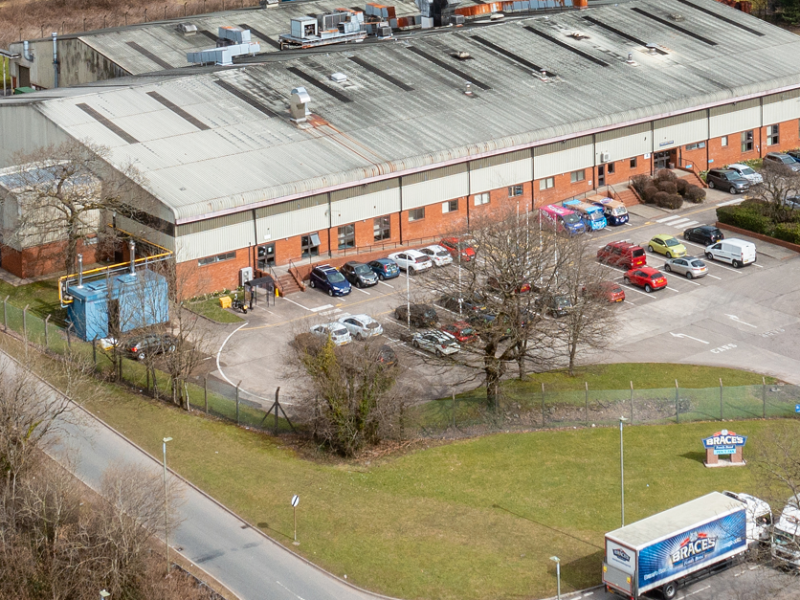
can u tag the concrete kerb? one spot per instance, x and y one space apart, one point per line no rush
579 593
203 493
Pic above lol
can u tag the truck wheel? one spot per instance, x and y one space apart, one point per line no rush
736 264
669 590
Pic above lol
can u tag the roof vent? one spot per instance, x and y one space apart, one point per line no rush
497 16
676 17
468 88
630 60
186 28
298 106
578 35
652 48
338 77
463 55
542 74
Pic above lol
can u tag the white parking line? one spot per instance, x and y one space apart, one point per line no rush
386 284
714 276
684 242
712 263
689 224
297 303
319 308
678 223
667 220
633 289
358 289
729 202
673 289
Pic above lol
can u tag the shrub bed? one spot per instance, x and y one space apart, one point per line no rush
667 190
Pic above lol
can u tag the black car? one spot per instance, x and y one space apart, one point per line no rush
422 315
728 180
359 274
705 235
387 356
557 305
468 303
150 344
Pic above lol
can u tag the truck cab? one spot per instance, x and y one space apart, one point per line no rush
592 216
786 535
759 517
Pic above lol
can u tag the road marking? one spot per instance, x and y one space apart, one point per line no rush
715 264
674 290
319 308
667 220
288 590
757 265
738 320
697 591
386 284
360 290
714 276
329 313
230 335
683 335
679 223
633 289
689 224
729 202
296 303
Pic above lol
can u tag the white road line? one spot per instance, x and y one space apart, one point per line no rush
386 284
712 263
684 242
714 276
288 590
697 591
319 308
230 335
687 280
757 265
633 289
673 289
679 222
360 290
729 202
297 303
690 224
666 220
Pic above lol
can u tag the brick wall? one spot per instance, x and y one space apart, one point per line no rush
436 222
42 260
563 189
788 137
624 171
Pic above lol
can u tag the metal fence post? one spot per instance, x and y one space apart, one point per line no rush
46 340
94 352
205 392
25 328
677 412
69 336
237 402
586 400
543 419
764 397
721 402
5 313
454 410
631 403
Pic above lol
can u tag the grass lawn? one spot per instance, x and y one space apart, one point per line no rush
41 296
210 309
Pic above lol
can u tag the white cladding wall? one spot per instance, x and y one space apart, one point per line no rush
435 186
215 241
734 118
624 143
563 157
500 171
312 216
680 130
781 107
24 129
365 202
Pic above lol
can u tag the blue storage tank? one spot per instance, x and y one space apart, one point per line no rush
133 300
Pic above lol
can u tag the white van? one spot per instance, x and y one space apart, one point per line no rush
736 252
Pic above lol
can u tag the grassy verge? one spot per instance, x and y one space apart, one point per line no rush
472 520
210 309
41 296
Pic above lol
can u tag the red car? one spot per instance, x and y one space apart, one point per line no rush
646 277
622 254
605 290
454 244
494 284
461 330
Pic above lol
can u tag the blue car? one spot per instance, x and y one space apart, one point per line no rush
326 278
385 268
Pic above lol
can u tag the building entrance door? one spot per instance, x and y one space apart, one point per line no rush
661 160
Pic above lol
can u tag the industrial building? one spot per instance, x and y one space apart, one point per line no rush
310 155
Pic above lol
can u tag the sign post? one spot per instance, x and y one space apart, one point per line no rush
724 443
295 502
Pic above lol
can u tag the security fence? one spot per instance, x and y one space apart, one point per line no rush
519 408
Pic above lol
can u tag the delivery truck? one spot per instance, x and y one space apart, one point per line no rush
786 535
670 549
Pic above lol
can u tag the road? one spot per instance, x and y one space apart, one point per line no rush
241 558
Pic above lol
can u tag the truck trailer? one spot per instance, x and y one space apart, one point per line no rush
675 547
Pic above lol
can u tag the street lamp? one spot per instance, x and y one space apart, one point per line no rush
557 560
621 471
408 296
166 500
104 594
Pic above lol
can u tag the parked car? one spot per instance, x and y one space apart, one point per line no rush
412 261
753 176
461 330
781 158
361 327
439 255
646 277
422 315
468 303
736 252
359 274
604 290
150 344
726 179
689 266
622 254
328 279
704 234
435 342
387 356
791 202
557 305
666 245
480 319
338 333
795 154
385 268
494 284
455 245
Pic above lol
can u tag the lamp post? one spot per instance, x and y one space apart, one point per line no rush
408 296
460 296
104 594
166 500
621 471
557 560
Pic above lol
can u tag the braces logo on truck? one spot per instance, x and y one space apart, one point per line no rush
622 555
693 549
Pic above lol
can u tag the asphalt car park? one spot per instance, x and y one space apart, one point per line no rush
256 353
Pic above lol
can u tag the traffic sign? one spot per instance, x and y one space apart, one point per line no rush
797 408
296 498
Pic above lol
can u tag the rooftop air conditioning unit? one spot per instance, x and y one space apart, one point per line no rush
605 157
338 77
186 28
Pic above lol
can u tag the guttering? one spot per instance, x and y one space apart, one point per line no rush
487 154
9 54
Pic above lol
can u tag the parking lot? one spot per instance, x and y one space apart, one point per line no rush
742 318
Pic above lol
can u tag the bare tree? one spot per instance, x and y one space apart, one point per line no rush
779 182
63 193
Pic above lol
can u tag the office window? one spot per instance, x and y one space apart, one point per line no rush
747 141
773 135
347 236
310 245
450 206
514 190
723 141
415 214
610 168
382 228
482 198
633 162
577 176
210 260
696 146
547 183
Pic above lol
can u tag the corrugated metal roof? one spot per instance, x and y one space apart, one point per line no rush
246 157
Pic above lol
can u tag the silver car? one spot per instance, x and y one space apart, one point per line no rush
338 332
436 342
689 266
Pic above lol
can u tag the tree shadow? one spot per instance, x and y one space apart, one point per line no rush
698 456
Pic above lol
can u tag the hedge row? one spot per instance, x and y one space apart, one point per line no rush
754 216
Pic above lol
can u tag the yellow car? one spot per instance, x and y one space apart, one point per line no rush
667 245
